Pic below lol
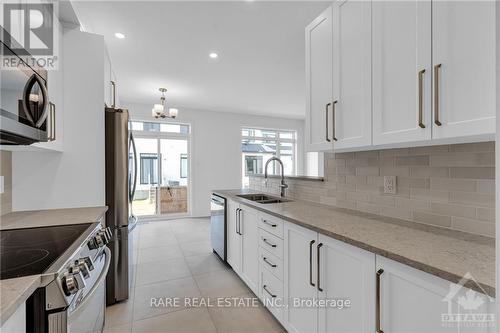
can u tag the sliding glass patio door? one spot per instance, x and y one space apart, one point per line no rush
163 169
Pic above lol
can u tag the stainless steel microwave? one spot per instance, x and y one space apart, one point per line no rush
26 115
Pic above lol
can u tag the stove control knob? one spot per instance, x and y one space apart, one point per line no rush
92 244
72 282
104 237
82 266
109 233
99 240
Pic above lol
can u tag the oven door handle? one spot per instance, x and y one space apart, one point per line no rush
96 285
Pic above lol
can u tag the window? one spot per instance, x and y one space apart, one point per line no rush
149 168
259 145
184 166
159 127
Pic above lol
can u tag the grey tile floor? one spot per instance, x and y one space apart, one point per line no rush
174 259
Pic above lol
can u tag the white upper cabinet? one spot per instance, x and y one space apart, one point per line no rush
463 46
352 104
319 82
401 71
107 79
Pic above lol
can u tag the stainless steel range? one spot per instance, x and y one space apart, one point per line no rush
73 261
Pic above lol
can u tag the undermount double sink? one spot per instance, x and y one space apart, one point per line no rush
263 198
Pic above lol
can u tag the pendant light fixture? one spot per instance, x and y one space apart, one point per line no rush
159 111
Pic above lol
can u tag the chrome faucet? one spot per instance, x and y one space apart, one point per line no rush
283 186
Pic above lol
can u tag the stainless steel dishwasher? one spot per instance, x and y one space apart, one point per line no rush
218 225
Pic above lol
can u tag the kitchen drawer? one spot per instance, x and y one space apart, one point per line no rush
271 224
271 293
271 243
270 262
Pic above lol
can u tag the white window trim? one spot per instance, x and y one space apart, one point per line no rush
278 140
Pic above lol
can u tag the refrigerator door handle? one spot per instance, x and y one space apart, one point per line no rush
132 190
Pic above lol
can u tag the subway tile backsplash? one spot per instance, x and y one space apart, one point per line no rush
451 186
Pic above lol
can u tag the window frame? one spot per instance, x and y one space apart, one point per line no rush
278 142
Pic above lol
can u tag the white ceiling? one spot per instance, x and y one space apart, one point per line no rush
260 69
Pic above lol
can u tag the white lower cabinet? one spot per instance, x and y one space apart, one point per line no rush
412 301
233 239
300 278
347 277
249 243
314 283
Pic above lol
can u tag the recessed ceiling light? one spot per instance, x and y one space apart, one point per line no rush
119 35
213 55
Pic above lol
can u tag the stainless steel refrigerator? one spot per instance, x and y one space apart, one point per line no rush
121 177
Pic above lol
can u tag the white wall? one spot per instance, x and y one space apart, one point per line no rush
75 177
216 147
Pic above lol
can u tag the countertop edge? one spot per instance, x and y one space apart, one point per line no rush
472 284
8 310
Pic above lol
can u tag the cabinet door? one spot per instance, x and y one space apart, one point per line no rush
249 246
413 301
347 273
352 74
300 278
233 238
463 34
401 71
319 82
107 79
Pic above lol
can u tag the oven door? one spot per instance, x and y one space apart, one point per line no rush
87 315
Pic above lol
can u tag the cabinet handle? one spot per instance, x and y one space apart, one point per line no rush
239 222
377 310
269 223
421 98
333 117
436 95
269 263
310 263
51 122
268 242
319 264
270 293
113 85
326 122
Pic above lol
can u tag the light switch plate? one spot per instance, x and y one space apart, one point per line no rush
1 185
390 184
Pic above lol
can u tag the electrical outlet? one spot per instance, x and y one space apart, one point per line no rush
390 184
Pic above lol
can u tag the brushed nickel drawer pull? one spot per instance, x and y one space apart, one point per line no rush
270 293
269 223
269 263
268 242
436 95
421 98
377 310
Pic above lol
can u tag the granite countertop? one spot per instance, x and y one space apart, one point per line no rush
14 292
442 252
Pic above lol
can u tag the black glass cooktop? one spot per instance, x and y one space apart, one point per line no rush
32 250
